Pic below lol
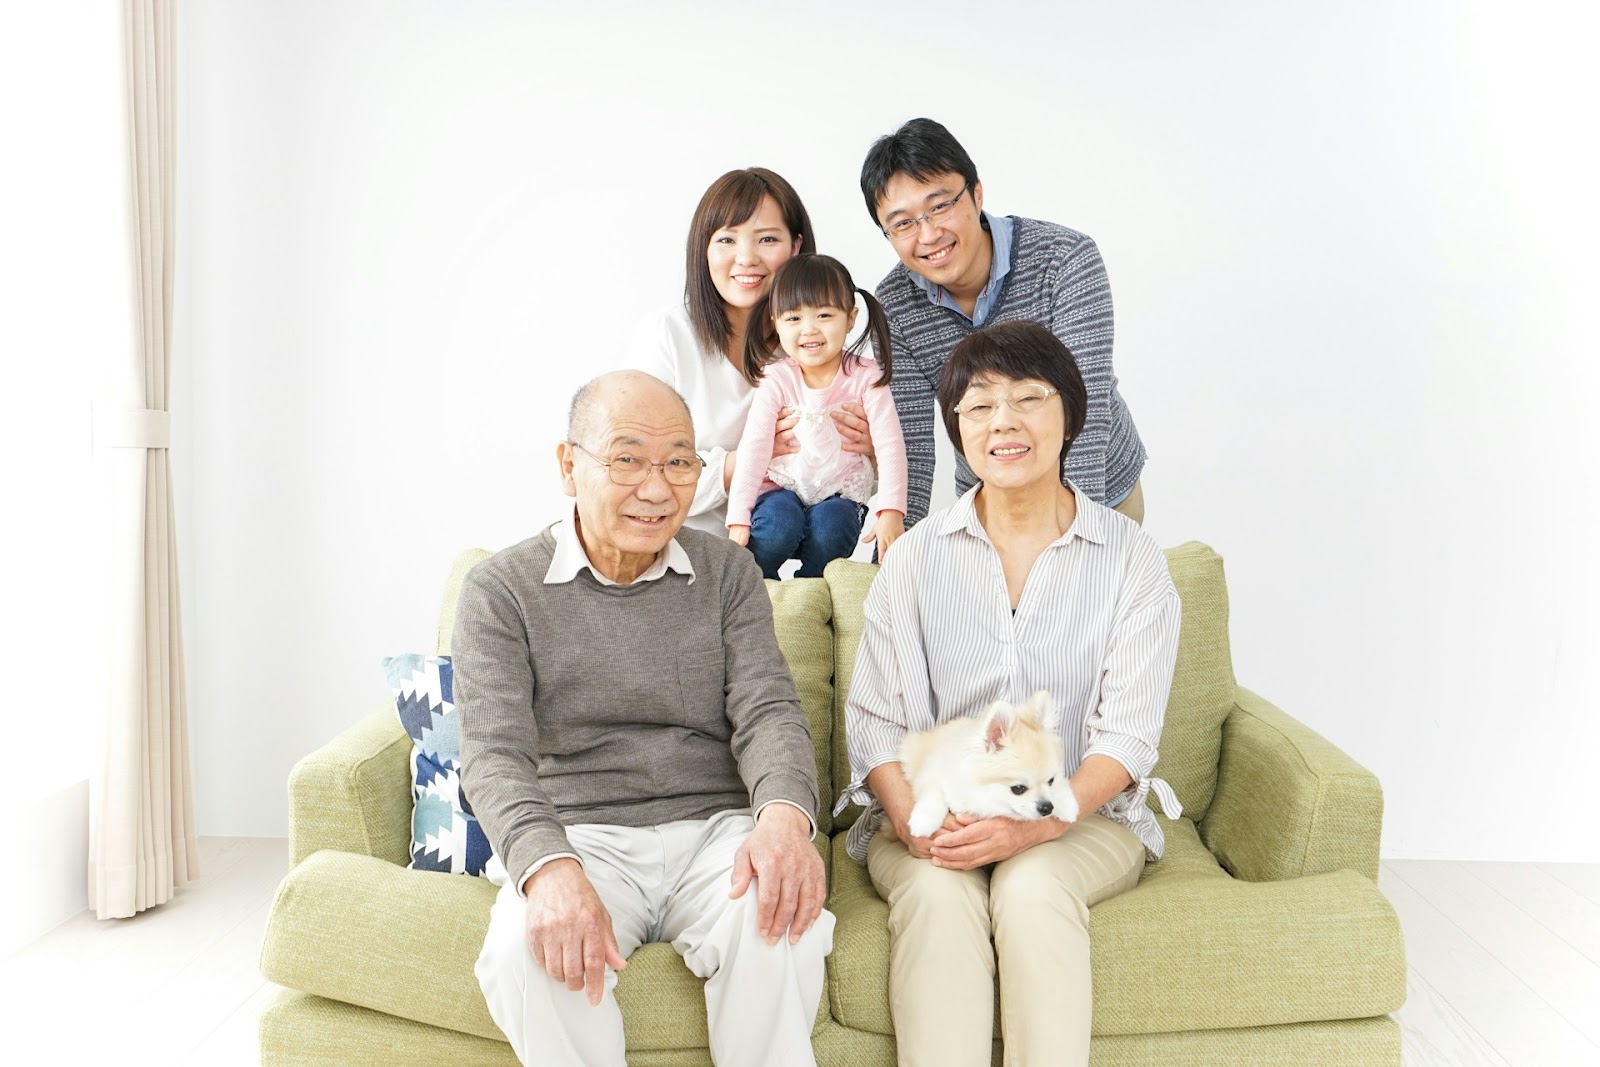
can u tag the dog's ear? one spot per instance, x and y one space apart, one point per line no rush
997 725
1042 710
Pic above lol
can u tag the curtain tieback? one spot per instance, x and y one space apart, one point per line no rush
133 428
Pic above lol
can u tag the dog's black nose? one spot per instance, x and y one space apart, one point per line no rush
1045 807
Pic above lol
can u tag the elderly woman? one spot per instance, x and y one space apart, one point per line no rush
747 225
1022 584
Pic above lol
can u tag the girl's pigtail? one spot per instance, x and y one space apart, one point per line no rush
878 330
760 340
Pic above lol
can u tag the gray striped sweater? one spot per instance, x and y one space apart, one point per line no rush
1058 279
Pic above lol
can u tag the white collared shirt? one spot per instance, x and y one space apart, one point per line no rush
1096 626
570 559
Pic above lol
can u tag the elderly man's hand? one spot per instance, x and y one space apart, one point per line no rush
778 854
569 929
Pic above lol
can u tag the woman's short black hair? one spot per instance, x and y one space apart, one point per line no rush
922 149
1016 351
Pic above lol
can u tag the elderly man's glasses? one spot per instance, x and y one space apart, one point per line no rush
1024 401
627 468
901 229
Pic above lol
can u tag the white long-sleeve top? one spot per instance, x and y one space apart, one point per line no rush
1096 626
664 344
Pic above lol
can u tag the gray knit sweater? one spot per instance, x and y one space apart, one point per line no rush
631 704
1058 279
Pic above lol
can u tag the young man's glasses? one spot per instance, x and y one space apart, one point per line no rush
626 468
903 228
1023 402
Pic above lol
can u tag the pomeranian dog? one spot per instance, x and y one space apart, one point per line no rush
1007 761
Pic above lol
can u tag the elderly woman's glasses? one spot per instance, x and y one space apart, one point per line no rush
626 468
1023 402
903 228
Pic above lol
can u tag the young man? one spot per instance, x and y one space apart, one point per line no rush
961 268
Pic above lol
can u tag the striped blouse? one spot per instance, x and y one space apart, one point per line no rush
1096 626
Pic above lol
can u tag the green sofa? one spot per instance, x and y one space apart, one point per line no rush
1260 938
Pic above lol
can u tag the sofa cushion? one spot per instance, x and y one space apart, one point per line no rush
848 581
445 835
358 930
1189 948
802 612
1202 682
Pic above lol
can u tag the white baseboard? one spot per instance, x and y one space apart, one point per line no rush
52 835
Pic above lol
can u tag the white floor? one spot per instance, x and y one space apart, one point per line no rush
1505 968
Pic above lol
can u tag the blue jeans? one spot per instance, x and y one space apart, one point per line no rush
783 528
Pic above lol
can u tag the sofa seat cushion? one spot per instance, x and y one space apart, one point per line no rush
1190 948
367 932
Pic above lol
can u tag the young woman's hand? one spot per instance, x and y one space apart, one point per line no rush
783 442
855 435
739 535
888 528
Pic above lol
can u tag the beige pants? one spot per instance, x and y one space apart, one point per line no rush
1133 504
1035 907
661 883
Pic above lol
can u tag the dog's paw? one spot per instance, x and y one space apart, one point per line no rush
1067 808
924 820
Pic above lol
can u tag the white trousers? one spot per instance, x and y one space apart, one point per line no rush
662 883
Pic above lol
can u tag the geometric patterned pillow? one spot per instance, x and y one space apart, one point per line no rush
445 835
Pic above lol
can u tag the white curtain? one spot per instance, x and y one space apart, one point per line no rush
142 843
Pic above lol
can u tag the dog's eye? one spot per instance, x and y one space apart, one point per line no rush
1051 782
1018 790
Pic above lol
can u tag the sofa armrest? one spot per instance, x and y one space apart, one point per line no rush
1289 803
353 794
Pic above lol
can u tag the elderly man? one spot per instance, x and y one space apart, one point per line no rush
632 742
961 267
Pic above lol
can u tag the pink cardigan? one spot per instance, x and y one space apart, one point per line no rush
783 385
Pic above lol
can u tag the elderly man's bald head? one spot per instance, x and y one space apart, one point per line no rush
611 392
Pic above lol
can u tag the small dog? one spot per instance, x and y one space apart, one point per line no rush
1006 762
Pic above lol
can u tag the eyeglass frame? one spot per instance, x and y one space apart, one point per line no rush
1006 400
907 227
650 468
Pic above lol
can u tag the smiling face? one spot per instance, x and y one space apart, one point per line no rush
624 527
1013 451
742 257
953 251
815 338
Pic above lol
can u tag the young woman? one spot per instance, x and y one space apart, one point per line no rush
748 224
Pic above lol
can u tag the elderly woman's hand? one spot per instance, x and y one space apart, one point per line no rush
976 842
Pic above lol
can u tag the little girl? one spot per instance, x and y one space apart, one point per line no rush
811 504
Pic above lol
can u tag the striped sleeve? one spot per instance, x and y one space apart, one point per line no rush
1136 673
915 400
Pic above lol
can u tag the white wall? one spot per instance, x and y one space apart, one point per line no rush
65 307
1348 249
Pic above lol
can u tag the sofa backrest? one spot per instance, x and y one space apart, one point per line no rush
1202 683
819 624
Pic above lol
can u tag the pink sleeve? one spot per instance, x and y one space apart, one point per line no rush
889 446
755 449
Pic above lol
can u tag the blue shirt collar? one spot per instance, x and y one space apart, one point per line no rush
999 227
